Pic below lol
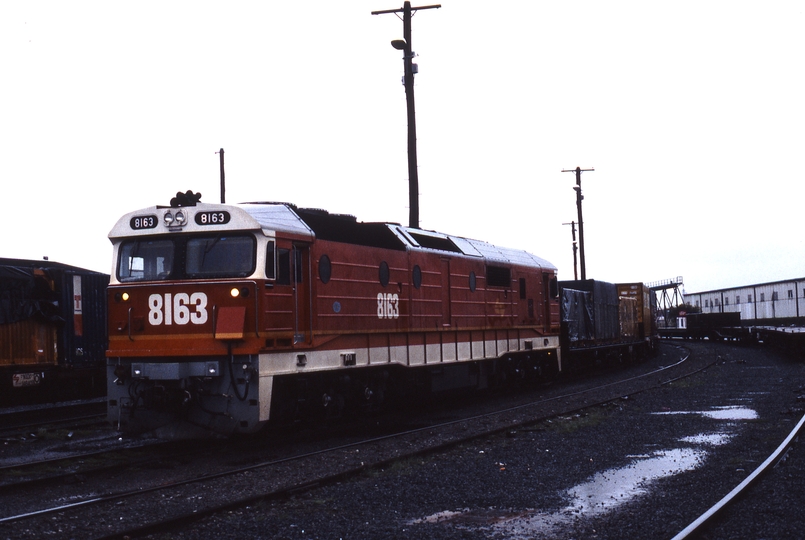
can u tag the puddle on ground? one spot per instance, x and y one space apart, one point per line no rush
604 491
722 413
709 439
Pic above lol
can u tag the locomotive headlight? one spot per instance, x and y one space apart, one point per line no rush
122 297
175 219
235 292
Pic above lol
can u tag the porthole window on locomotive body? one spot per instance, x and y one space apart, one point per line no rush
472 282
384 273
325 269
416 276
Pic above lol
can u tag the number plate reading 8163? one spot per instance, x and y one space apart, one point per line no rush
212 218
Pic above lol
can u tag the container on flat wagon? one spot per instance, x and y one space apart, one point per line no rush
647 325
596 312
629 317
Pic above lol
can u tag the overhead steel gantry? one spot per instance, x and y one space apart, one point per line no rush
667 294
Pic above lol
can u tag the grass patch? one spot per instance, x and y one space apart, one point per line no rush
575 422
688 382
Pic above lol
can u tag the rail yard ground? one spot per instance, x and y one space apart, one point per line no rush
669 453
643 464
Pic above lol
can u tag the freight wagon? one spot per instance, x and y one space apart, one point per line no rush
605 323
52 332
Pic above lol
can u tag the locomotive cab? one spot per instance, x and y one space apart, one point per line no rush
184 302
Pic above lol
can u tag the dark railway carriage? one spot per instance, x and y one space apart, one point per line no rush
712 326
223 317
52 332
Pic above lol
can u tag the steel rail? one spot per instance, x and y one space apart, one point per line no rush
285 491
697 525
65 423
196 514
19 420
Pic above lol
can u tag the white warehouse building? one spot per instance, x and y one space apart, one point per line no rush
780 301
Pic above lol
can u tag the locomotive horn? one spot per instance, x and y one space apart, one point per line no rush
188 198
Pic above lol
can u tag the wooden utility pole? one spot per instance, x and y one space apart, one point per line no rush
408 80
579 198
575 250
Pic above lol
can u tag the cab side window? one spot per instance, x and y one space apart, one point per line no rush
283 266
278 264
271 261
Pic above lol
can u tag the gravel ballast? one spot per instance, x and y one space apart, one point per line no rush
535 482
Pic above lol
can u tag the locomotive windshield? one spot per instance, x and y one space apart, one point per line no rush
220 256
213 256
145 260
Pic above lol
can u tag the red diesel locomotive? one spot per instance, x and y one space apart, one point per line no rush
223 317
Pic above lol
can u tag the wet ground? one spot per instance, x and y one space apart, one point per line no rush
641 467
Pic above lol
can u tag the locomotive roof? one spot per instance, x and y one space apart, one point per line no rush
271 217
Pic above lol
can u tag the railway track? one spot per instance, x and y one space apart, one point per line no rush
78 466
188 494
21 421
700 524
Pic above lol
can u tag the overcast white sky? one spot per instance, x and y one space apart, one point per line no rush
691 113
